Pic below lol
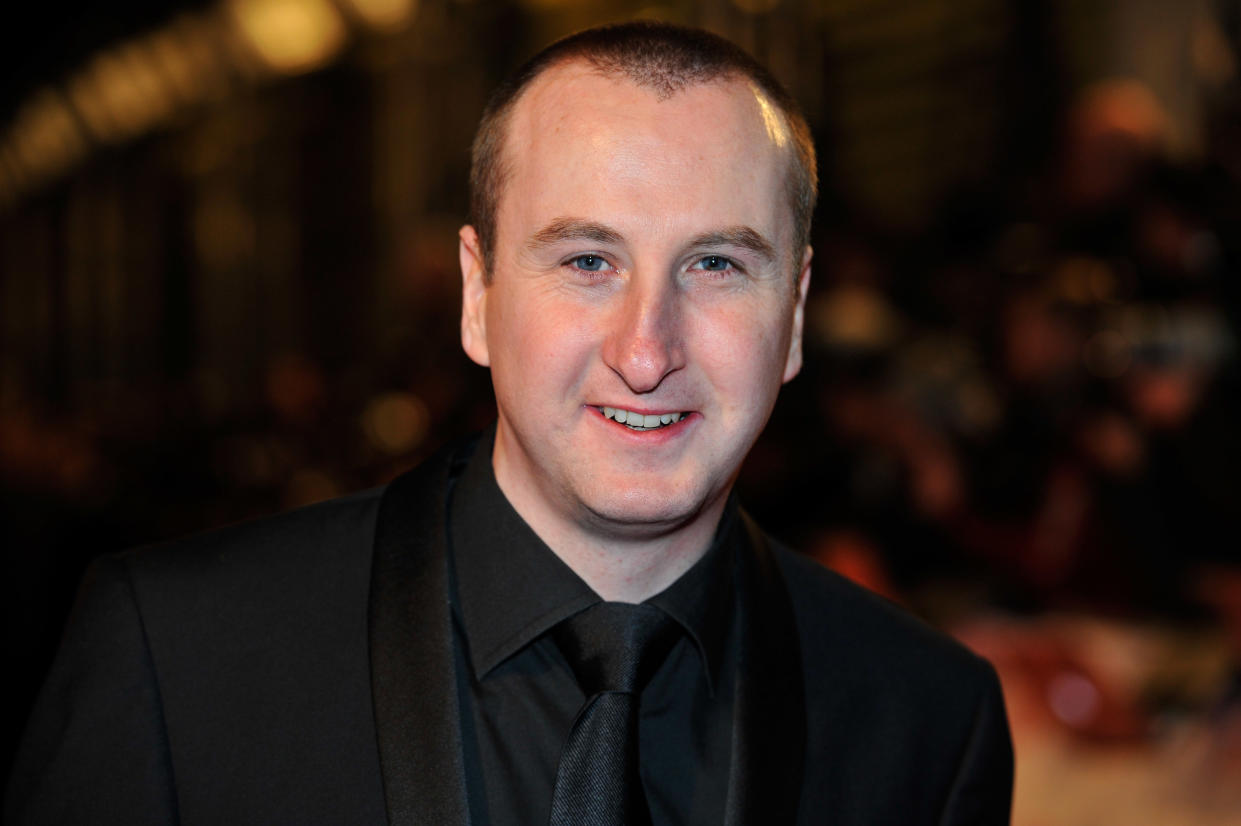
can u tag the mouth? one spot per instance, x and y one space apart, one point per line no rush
640 421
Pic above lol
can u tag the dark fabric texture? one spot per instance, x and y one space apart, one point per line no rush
615 646
614 649
416 705
598 783
227 678
219 679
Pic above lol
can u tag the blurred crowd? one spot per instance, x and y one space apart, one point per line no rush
1039 392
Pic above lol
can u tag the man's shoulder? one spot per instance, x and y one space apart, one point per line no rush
308 567
252 586
226 663
862 636
332 533
892 702
296 543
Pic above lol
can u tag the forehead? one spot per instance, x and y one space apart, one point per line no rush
576 81
582 136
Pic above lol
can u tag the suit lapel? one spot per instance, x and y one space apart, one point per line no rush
769 717
413 682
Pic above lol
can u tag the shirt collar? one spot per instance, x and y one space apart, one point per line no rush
512 588
701 598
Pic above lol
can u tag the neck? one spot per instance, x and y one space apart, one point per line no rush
620 562
626 569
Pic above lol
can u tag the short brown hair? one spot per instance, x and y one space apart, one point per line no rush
659 56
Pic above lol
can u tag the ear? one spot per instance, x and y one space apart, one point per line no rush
792 363
473 297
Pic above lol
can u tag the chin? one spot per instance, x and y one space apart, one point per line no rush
646 512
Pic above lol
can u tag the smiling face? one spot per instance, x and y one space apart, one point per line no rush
642 310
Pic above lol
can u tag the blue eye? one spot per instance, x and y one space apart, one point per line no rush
589 263
715 263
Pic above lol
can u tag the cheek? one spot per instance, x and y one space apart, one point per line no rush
744 348
537 341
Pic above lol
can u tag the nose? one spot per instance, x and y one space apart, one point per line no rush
644 340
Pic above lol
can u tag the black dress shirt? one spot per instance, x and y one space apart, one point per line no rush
518 695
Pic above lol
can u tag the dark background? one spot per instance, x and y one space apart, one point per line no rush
228 286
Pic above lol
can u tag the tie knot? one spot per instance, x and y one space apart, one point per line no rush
616 646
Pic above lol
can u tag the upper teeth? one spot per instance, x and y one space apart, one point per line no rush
641 420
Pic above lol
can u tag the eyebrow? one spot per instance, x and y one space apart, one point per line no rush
574 229
578 229
743 237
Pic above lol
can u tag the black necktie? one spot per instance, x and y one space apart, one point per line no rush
614 649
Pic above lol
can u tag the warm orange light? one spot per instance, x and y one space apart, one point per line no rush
188 56
383 15
396 422
289 36
46 138
122 93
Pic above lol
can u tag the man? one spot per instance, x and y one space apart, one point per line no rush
634 276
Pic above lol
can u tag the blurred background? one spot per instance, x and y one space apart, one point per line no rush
228 286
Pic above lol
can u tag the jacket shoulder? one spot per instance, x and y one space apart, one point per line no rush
333 532
838 618
257 638
278 603
892 702
196 676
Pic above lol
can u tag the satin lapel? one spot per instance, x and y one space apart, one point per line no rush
769 715
413 684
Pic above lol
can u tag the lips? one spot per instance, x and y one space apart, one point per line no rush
640 421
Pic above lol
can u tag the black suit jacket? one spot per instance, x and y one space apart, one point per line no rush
299 670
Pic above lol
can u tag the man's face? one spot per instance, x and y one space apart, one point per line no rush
641 265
